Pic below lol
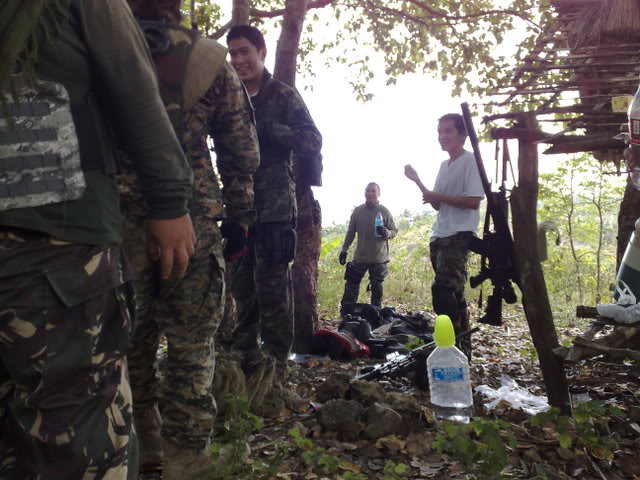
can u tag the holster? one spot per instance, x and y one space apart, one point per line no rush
349 274
276 242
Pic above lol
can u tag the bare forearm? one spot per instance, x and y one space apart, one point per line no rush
457 201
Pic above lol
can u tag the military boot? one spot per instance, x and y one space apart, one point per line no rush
148 425
184 463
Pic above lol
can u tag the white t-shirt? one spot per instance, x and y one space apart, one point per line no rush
459 177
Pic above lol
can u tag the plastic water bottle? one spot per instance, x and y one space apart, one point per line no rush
449 380
378 222
633 114
634 136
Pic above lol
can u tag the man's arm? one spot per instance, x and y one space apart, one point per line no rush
127 84
458 201
390 225
237 151
351 233
412 175
299 132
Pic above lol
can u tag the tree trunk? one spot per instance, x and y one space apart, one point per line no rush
240 12
305 266
629 213
192 15
535 299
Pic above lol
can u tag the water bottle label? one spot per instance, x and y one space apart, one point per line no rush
448 374
635 130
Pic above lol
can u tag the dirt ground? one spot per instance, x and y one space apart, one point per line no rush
497 351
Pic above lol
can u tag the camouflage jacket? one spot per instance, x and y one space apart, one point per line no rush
224 112
285 127
101 57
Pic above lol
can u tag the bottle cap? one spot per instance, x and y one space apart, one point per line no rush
444 335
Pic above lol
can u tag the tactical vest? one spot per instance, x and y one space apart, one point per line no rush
186 66
41 158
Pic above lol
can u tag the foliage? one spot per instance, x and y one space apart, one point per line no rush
583 202
483 446
580 198
229 450
471 43
586 429
322 463
394 471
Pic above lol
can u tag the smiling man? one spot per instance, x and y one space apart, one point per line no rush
372 247
261 280
456 196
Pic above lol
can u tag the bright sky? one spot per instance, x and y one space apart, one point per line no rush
373 141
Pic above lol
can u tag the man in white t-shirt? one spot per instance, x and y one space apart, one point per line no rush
456 196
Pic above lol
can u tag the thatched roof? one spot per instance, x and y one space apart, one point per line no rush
590 55
605 20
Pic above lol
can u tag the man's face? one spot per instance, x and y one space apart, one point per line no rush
247 59
449 137
371 194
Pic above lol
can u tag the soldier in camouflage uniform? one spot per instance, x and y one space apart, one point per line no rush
203 96
261 282
456 195
66 298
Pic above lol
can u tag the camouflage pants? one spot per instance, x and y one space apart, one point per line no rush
449 261
264 300
65 400
354 275
187 312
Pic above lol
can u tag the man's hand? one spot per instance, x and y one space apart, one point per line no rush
343 258
171 241
411 174
235 236
382 231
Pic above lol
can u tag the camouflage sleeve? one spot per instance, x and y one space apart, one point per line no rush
236 144
351 233
129 91
298 132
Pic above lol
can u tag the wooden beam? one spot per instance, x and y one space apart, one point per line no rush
535 299
586 145
519 133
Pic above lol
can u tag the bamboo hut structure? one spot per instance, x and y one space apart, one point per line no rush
581 73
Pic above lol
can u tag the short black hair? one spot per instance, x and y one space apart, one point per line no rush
458 121
372 183
249 32
156 8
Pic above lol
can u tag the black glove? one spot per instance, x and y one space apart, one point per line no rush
235 236
343 258
382 231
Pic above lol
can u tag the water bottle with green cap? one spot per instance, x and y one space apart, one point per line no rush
449 380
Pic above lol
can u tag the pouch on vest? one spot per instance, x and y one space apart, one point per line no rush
39 149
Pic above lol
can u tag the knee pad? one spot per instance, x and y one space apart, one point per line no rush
276 242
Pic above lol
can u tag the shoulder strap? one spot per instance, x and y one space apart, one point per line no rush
205 63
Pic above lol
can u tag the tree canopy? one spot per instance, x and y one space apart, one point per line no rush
471 42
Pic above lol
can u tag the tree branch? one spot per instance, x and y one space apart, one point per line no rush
439 13
221 31
277 13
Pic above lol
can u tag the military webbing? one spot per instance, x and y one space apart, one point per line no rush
22 21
